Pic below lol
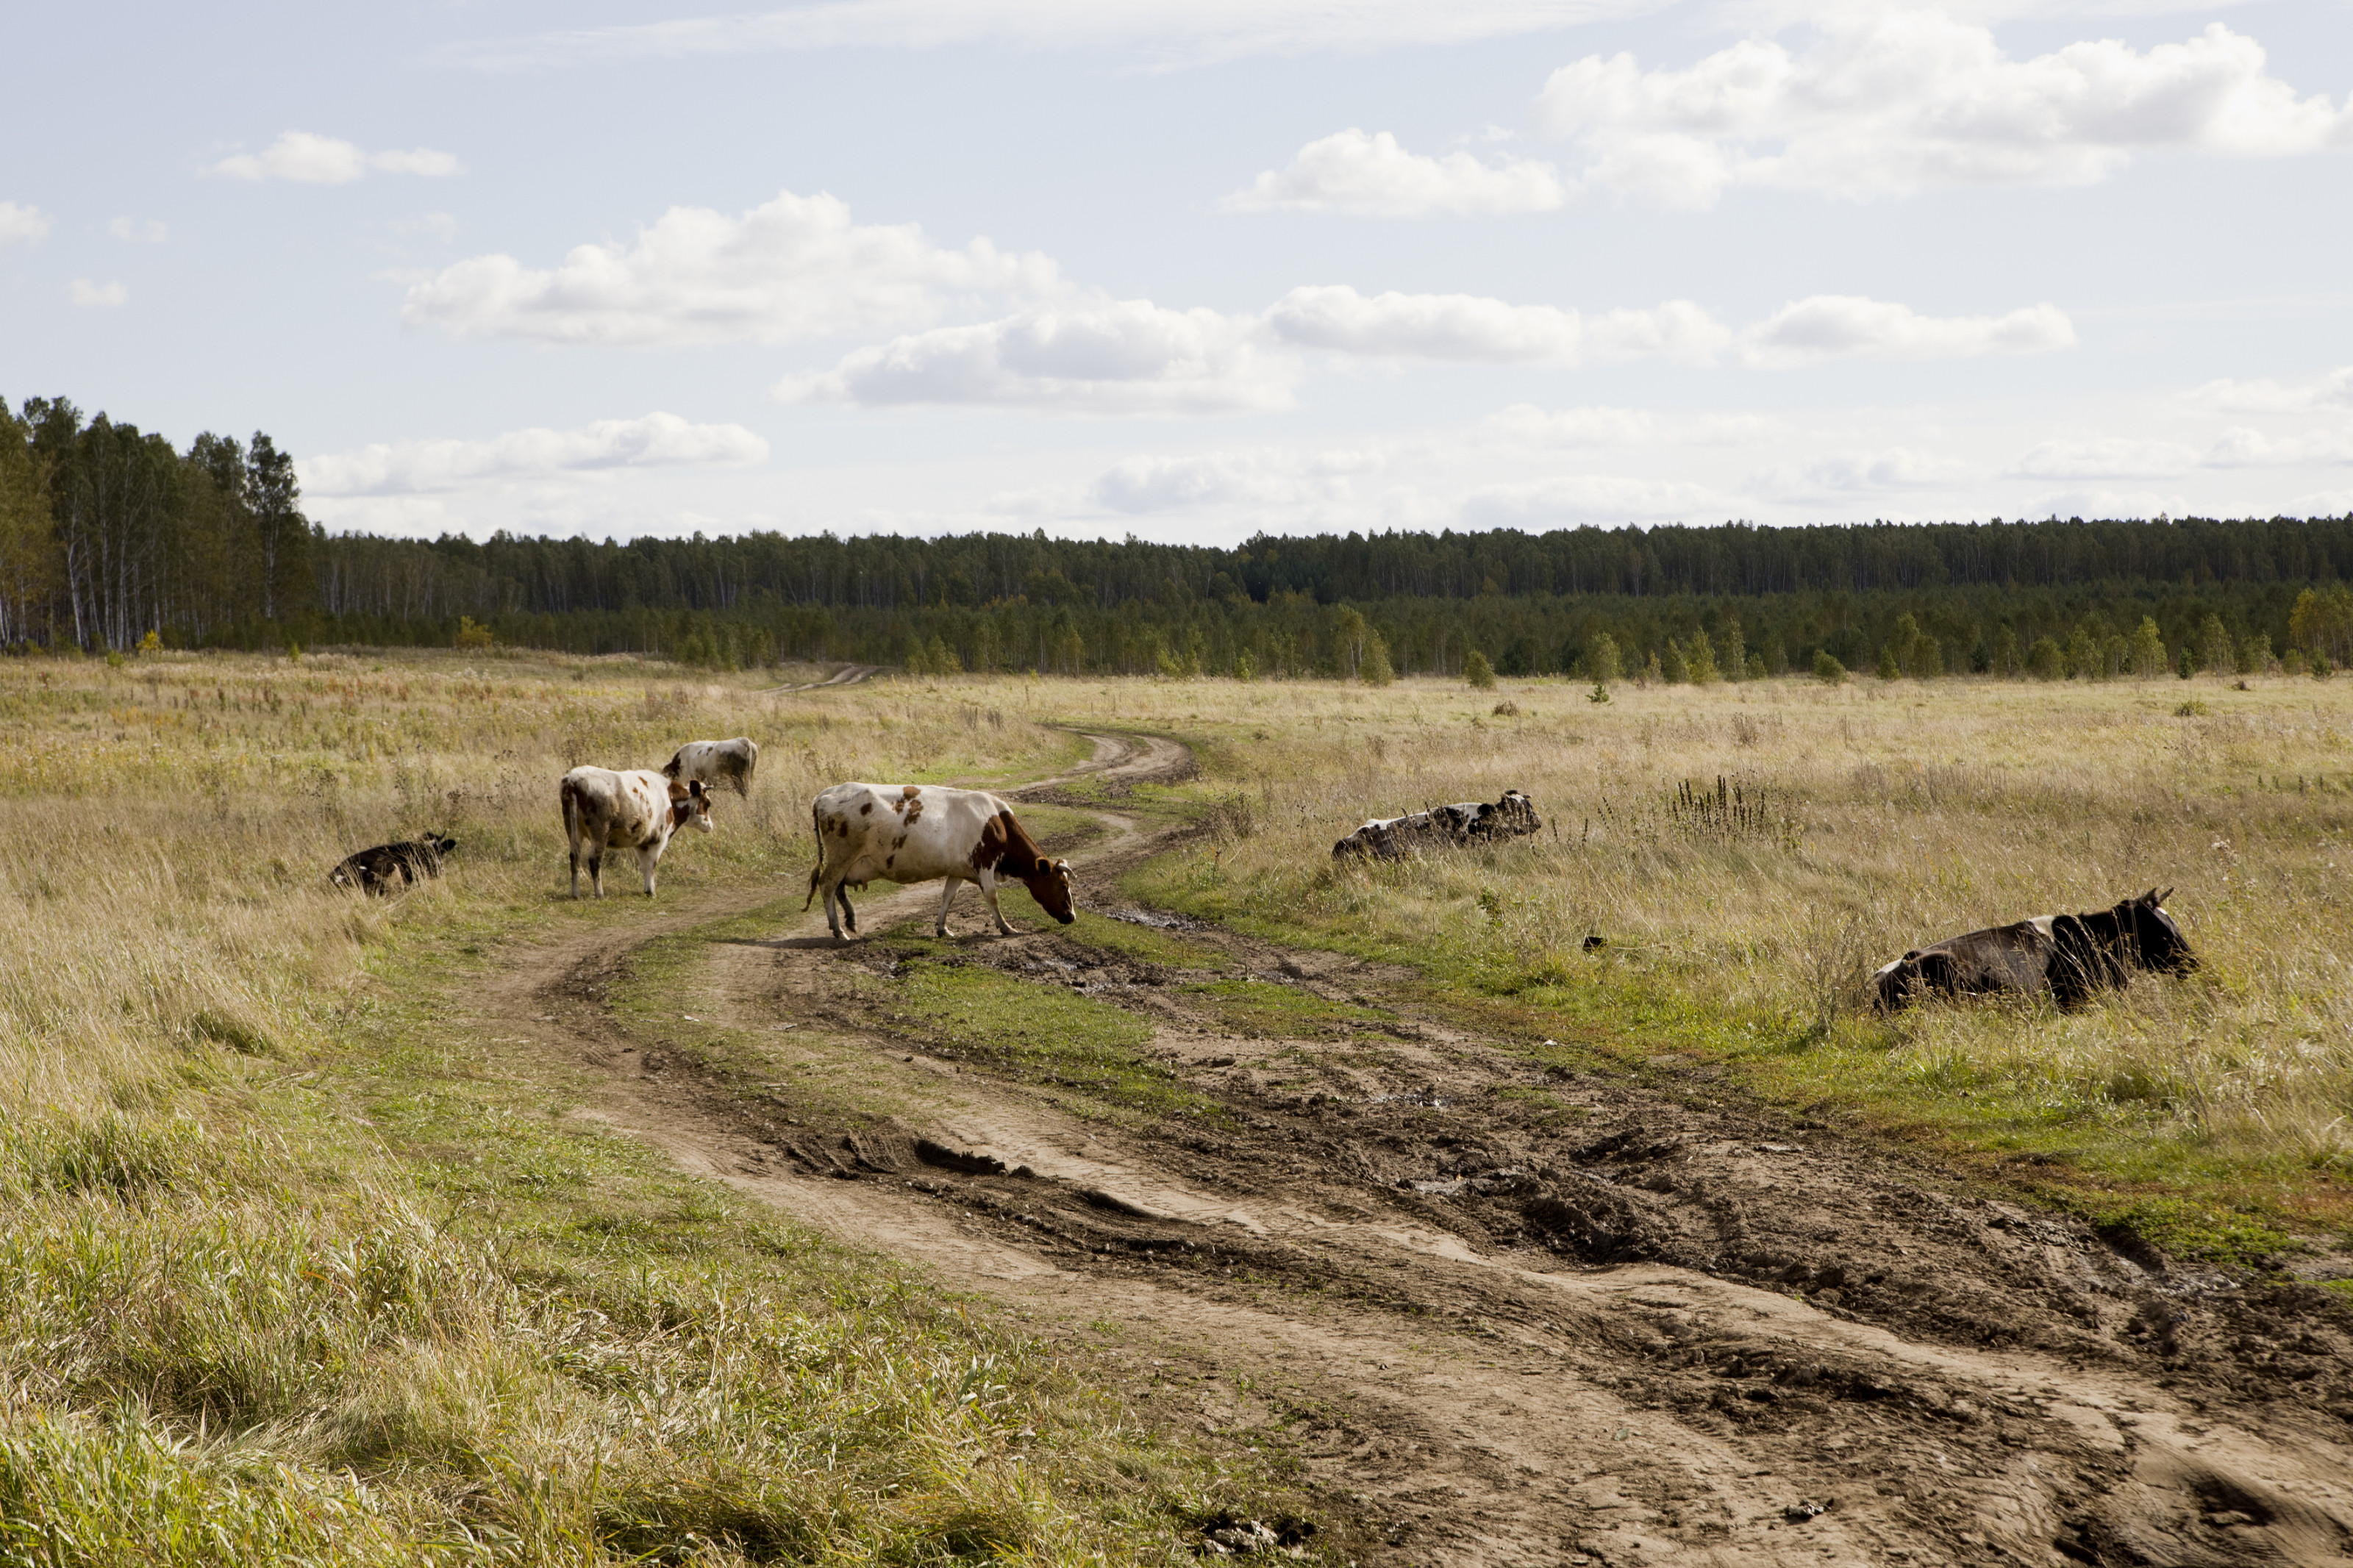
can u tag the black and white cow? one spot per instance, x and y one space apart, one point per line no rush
2071 955
389 867
1394 838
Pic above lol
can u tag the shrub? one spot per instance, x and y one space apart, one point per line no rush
471 634
1478 671
2043 660
1827 668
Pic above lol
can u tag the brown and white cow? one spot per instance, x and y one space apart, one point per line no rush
2071 955
636 810
715 762
916 833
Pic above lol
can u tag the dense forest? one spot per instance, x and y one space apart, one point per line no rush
112 539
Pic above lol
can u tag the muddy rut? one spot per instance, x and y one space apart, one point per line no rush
1499 1313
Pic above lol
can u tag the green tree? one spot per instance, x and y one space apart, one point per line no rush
28 545
1890 667
1827 668
2188 665
2009 659
2046 660
1478 671
1245 666
281 534
1376 671
1674 666
2218 653
2255 653
2147 650
1699 658
1601 659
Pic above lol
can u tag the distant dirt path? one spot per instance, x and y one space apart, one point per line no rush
1501 1316
848 675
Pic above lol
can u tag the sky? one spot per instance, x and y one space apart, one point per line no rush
1198 271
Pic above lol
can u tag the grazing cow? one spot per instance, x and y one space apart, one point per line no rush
388 868
636 810
913 833
2072 955
1393 837
715 762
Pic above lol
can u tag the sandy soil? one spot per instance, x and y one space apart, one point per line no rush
1499 1315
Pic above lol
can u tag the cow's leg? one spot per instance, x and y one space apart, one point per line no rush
989 892
832 916
646 860
947 895
596 868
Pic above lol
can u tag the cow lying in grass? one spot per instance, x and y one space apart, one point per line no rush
916 833
636 810
2071 955
1393 837
389 867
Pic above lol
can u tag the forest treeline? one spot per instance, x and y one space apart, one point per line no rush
110 537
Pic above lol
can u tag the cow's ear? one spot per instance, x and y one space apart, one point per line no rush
2150 896
2156 897
695 789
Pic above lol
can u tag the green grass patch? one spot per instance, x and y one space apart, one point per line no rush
1038 1034
1268 1011
2192 1232
1171 950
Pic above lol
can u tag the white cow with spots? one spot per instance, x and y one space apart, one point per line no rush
636 810
715 762
919 833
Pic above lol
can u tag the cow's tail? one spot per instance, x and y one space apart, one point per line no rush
817 872
568 793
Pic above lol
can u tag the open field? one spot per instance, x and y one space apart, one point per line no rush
323 1247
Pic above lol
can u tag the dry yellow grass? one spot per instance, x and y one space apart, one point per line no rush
1892 814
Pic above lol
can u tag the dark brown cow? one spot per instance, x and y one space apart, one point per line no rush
389 867
1393 837
2071 955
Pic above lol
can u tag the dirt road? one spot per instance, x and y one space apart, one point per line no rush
1501 1314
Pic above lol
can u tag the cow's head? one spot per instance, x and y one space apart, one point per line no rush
689 802
1050 884
2157 941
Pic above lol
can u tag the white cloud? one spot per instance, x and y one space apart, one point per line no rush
1372 176
1848 326
793 267
2244 448
1888 101
2334 390
409 468
138 231
1096 356
22 225
1569 500
1260 476
82 292
1181 30
1524 424
2106 503
309 159
441 228
1338 320
1844 473
2108 457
